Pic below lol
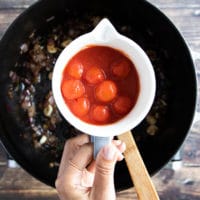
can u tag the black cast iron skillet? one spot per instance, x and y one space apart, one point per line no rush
151 30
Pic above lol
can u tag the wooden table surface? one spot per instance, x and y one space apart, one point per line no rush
176 181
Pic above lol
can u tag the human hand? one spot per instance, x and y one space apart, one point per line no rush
82 178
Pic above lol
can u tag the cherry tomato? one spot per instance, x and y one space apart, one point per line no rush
72 89
122 105
96 85
94 75
121 68
100 113
80 106
106 91
75 69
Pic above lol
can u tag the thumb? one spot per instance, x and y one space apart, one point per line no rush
103 187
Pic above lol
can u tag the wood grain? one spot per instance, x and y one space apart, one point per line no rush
144 187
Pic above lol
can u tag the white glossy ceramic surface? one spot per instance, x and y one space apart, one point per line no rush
105 34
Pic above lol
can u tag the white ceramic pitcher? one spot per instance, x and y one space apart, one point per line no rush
105 34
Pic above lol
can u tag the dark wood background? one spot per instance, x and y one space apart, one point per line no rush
177 180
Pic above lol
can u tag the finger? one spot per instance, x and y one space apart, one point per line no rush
70 148
116 142
72 145
74 173
79 140
76 170
121 146
91 167
104 181
83 156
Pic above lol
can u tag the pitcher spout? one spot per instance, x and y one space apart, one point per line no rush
105 31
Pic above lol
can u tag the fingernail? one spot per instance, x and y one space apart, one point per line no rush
118 142
109 152
121 157
122 147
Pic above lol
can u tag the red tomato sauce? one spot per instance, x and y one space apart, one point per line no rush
100 85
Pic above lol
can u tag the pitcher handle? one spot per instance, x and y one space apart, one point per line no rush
98 143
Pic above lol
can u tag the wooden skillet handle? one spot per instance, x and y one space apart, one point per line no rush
144 187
